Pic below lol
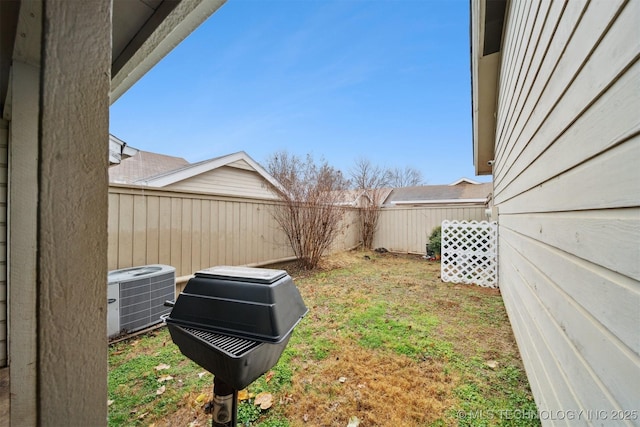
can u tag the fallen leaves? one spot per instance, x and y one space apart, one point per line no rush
164 378
269 375
162 366
244 395
492 364
264 400
161 390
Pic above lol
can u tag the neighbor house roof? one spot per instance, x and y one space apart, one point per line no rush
239 160
354 197
143 164
463 191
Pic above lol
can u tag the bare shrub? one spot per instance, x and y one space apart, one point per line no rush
310 212
407 177
372 181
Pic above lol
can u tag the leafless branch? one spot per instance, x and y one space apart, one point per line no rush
310 212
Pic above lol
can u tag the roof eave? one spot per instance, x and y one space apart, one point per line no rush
484 86
165 34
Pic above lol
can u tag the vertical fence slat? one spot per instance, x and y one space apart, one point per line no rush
153 226
192 231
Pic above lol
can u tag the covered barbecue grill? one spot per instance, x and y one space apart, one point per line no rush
235 322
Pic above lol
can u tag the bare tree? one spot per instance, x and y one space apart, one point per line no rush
407 177
310 212
372 181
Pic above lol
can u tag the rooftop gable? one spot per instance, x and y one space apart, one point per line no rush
239 160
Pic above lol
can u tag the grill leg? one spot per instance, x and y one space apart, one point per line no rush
225 404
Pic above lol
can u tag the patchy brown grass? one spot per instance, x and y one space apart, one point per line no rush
380 389
386 341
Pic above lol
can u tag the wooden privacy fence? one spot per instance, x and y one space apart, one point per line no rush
408 229
192 231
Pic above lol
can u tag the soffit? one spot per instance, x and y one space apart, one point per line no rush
144 31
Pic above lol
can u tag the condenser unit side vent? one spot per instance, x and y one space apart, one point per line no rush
142 301
136 297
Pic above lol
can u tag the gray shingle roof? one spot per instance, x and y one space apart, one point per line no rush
426 194
144 164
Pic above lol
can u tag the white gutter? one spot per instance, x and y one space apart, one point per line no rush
442 201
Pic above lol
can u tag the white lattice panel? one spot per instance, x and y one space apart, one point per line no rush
470 253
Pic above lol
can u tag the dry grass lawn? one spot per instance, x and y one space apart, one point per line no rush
384 341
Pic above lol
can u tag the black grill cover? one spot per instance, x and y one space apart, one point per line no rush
256 303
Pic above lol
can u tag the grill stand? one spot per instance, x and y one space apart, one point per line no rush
225 404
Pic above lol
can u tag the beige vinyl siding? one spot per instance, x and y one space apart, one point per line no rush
567 189
241 164
227 180
408 229
3 242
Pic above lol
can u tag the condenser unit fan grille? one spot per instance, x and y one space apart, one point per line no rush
142 300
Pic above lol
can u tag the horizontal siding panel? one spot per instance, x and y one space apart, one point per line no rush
596 289
543 372
540 36
510 45
527 96
596 129
581 234
241 164
568 94
226 181
584 349
567 190
563 29
518 55
611 180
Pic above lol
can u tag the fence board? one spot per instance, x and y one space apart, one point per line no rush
408 229
193 231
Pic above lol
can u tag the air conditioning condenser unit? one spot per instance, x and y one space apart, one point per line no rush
136 297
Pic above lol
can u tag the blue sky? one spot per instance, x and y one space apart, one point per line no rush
385 80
